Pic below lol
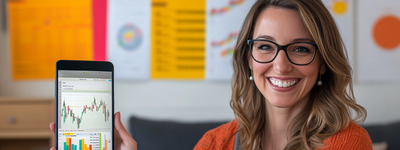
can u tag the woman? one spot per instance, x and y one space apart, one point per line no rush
283 48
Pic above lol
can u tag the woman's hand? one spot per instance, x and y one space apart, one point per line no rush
52 126
123 140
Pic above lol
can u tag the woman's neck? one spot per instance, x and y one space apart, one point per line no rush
277 123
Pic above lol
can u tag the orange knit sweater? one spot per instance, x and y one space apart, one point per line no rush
353 137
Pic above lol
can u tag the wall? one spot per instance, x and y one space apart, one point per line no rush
187 100
177 100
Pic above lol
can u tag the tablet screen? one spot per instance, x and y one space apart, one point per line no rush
84 110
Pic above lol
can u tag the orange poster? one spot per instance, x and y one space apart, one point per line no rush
44 31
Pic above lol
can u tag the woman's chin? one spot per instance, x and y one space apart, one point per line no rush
282 103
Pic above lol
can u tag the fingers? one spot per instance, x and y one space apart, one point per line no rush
122 132
52 126
120 127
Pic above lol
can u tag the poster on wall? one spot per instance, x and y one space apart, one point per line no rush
224 20
342 12
128 38
177 39
378 41
44 31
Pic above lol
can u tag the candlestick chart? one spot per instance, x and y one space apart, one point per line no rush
95 114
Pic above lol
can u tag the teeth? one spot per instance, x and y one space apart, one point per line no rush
283 84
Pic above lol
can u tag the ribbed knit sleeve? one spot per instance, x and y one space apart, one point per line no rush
353 137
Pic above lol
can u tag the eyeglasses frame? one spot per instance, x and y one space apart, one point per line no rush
281 47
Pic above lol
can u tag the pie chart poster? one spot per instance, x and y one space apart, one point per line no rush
378 41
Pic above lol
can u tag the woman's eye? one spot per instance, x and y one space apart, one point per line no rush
264 47
302 50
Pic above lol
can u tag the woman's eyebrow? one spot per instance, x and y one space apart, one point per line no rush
303 40
267 37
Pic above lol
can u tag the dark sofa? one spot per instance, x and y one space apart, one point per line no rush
167 135
388 133
170 135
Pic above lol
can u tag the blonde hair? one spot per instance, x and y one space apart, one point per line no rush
330 106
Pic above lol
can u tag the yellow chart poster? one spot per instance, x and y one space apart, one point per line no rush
44 31
178 39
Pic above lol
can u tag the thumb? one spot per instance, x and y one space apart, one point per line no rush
125 136
52 126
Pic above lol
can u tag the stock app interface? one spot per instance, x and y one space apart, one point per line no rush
84 110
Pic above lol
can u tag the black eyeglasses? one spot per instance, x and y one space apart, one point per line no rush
298 53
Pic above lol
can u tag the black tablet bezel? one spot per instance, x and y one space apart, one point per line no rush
79 65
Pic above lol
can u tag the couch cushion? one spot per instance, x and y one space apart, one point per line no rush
389 133
167 135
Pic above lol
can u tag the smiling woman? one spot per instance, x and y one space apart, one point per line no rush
291 88
285 26
292 83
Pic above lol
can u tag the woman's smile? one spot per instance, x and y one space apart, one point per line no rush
283 83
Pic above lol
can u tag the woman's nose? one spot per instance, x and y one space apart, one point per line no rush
282 64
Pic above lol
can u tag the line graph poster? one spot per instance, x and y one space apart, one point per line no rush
224 20
379 41
342 12
128 38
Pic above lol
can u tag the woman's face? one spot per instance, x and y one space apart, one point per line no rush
284 26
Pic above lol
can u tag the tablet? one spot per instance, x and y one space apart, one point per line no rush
84 105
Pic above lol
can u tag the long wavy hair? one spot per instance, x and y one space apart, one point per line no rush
330 106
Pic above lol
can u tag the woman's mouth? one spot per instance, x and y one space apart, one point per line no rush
283 83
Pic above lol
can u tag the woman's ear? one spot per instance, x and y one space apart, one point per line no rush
250 62
322 68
